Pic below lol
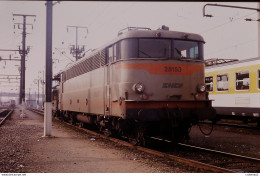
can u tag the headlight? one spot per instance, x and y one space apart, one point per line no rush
139 88
201 88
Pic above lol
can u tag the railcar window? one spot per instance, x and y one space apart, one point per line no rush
258 79
209 83
222 82
154 48
242 80
187 49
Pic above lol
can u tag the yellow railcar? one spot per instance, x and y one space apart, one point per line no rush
234 88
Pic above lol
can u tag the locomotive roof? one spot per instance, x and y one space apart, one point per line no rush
160 33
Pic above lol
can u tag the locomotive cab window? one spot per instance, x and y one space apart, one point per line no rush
110 54
242 80
127 48
113 53
209 83
157 48
188 49
222 82
154 48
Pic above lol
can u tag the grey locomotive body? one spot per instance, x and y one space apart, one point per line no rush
144 83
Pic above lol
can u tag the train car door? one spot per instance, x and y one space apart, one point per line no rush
108 80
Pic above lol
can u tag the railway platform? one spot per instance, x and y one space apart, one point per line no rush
68 150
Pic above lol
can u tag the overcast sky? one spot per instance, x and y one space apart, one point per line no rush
227 34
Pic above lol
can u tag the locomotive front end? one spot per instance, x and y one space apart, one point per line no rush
159 85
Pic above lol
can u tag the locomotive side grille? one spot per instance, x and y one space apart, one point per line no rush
88 65
81 71
96 61
74 71
84 65
102 57
68 74
91 63
77 70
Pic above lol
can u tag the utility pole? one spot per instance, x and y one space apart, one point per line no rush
48 73
23 53
75 50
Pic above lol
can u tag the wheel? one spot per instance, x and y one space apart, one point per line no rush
82 125
72 119
138 136
258 122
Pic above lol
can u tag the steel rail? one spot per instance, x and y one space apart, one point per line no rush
220 152
233 125
4 119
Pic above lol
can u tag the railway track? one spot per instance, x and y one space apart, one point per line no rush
234 162
228 124
228 161
206 159
4 115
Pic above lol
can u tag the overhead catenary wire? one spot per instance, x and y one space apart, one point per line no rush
128 7
235 45
62 53
229 22
98 16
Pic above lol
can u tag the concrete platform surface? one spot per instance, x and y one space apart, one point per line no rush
69 150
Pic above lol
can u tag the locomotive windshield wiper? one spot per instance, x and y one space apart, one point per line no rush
144 53
178 51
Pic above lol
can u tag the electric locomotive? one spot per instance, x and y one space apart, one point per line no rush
143 83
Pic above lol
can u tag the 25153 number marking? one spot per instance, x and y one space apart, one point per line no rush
172 69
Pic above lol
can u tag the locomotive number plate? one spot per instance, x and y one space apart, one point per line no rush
172 69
